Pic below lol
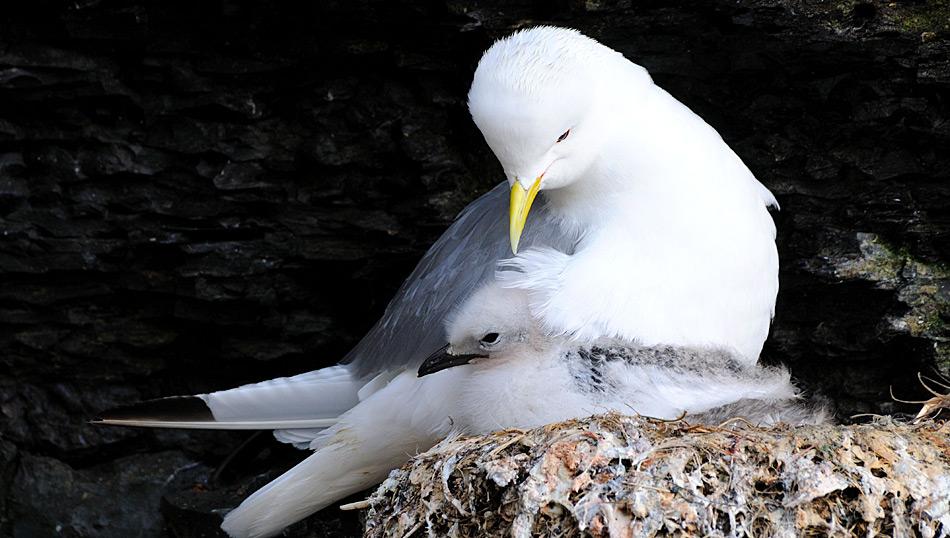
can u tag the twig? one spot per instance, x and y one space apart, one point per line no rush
358 505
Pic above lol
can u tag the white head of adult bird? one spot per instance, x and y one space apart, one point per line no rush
675 243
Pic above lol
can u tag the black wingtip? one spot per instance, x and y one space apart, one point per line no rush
171 409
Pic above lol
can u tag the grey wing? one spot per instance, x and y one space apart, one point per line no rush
461 260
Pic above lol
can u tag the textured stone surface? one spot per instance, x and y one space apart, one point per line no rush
195 195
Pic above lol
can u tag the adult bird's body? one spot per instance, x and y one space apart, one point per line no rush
647 228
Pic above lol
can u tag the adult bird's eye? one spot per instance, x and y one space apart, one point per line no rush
563 136
489 338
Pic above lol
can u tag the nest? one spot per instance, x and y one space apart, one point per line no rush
622 476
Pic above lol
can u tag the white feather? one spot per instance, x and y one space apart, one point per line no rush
321 394
312 400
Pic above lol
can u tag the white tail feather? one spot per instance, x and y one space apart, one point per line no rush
321 394
303 405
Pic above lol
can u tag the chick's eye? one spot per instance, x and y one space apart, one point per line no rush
489 338
563 136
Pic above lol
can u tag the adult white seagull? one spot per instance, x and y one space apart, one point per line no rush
647 227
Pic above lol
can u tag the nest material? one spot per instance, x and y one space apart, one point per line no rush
624 476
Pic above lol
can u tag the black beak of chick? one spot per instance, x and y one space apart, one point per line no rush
442 360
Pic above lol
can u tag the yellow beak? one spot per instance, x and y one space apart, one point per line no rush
521 201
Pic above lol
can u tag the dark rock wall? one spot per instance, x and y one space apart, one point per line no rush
199 194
